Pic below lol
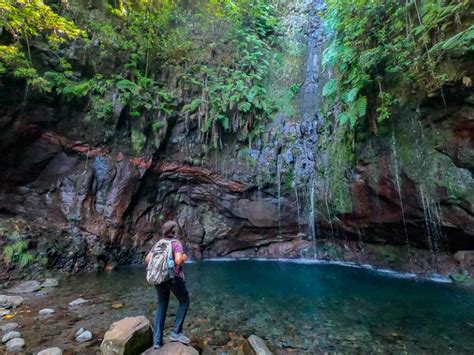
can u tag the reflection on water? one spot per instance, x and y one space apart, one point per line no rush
309 308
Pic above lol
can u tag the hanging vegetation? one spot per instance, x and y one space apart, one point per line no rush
384 52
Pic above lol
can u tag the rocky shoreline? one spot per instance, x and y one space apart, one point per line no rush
129 336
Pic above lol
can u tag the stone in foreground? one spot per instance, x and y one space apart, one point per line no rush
173 349
258 345
10 301
46 312
131 335
83 335
4 312
25 287
78 302
10 335
51 351
8 327
15 345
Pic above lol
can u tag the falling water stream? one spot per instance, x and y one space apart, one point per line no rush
399 191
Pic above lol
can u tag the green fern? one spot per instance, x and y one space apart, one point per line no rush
17 253
330 88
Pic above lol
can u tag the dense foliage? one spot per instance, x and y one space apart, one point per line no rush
147 61
383 52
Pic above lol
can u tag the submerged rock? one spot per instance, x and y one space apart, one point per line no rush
131 335
10 335
51 351
258 345
78 302
25 287
172 349
15 345
10 301
48 283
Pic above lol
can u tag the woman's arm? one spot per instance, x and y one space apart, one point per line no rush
148 258
180 258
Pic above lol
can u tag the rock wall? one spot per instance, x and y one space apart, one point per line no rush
90 205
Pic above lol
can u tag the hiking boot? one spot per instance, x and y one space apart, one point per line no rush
180 338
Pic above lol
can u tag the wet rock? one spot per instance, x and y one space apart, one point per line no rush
46 312
173 349
8 327
51 351
131 335
25 287
258 345
83 335
78 302
10 301
15 345
48 283
465 257
10 335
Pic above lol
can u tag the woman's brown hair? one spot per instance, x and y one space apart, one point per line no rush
169 228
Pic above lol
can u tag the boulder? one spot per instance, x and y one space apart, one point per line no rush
8 327
15 345
48 283
131 335
51 351
172 349
25 287
258 345
10 301
10 335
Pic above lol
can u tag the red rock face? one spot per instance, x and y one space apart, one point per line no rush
107 206
120 202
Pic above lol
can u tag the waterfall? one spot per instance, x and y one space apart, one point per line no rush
399 191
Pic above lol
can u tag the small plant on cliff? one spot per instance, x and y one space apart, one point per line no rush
384 52
17 254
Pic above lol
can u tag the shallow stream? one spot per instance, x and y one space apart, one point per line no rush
295 307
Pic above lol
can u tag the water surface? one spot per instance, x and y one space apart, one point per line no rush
302 308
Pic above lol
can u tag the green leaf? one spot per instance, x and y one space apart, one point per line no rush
330 88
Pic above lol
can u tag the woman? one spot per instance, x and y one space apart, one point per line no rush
176 285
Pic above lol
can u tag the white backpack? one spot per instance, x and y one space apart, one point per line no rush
161 266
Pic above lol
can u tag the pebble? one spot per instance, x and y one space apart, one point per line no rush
46 312
10 335
15 345
78 302
8 327
50 283
83 335
51 351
